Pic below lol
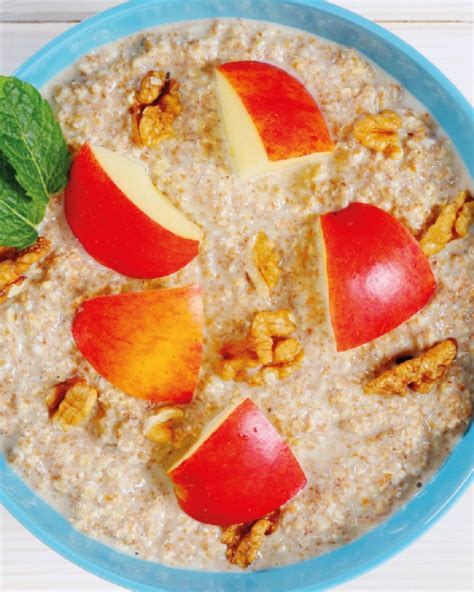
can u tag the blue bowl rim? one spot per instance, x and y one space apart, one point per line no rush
457 480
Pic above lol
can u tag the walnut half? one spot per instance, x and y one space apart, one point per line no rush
262 264
452 222
70 403
268 347
380 133
419 374
244 540
155 107
14 263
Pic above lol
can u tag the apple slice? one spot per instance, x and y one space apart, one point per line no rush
270 119
121 218
377 275
148 344
239 470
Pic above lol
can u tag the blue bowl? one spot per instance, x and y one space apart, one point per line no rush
454 114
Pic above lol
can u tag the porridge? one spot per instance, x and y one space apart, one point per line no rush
366 434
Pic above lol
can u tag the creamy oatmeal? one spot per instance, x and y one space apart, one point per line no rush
363 454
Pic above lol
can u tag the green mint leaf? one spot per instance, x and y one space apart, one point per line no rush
19 214
31 139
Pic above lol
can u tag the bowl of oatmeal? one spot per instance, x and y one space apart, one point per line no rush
376 419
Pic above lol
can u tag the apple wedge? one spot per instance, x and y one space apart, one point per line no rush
148 344
239 470
377 276
121 218
270 119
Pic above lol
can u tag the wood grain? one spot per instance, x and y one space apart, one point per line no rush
381 10
440 561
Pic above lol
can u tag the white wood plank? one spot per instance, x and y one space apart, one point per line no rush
439 561
448 46
19 41
29 565
453 55
381 10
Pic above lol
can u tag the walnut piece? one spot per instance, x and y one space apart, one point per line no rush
70 403
464 219
151 86
7 253
58 392
156 105
279 370
267 347
244 540
380 133
152 127
14 263
262 264
272 372
236 368
160 426
267 325
418 374
452 222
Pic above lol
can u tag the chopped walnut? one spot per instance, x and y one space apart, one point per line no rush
380 133
70 403
151 86
14 263
263 348
156 106
419 374
267 325
152 127
452 222
244 540
236 368
464 219
273 372
286 350
58 392
160 426
169 100
7 253
262 264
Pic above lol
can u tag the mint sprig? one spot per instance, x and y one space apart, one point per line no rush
19 214
34 160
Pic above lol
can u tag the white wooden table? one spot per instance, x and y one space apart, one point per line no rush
442 559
